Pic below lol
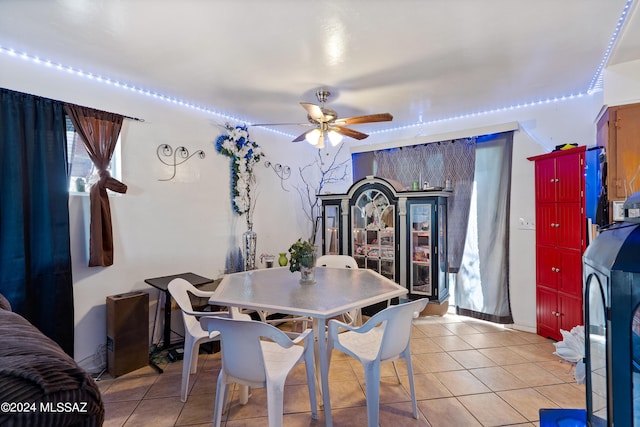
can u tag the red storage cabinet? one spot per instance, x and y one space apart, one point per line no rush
560 240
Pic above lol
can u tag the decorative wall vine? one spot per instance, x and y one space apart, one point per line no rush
176 157
282 171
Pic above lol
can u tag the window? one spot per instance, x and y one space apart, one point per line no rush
82 172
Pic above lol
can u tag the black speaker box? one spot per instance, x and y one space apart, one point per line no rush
127 332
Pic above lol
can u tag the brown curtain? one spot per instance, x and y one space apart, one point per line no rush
99 132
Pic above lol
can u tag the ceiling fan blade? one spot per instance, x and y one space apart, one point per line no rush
381 117
302 135
349 132
314 111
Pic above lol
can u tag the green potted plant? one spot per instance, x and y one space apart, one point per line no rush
302 258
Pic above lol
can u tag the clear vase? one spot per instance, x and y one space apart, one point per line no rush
249 239
308 269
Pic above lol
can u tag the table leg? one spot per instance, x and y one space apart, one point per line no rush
244 394
322 356
316 359
167 320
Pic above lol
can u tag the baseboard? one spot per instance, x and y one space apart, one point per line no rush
523 328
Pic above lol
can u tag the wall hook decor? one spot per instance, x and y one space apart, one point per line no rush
179 156
282 171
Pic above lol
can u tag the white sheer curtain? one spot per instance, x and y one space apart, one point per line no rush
482 284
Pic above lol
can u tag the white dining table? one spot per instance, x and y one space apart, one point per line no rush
335 291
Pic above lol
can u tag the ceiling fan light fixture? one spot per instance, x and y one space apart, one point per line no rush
334 137
327 127
313 137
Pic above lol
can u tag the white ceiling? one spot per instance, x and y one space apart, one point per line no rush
255 60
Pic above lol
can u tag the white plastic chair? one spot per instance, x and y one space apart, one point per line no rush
353 317
194 333
269 318
254 362
336 261
384 338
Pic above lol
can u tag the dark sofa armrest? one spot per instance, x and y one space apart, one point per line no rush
35 370
4 303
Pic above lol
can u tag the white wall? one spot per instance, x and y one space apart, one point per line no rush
622 83
186 224
164 227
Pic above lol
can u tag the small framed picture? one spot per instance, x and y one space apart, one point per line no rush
617 210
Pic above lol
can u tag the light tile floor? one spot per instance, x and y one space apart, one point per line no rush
467 373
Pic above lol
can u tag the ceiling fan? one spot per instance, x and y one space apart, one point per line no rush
326 123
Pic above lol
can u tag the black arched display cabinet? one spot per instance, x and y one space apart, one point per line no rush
399 233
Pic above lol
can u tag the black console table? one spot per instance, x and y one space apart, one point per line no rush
162 284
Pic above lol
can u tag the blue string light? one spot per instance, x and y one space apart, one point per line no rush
596 81
596 85
115 83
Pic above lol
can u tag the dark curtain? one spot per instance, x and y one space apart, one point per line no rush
99 132
35 254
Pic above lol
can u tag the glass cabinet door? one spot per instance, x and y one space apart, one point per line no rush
373 232
596 351
331 233
421 247
442 251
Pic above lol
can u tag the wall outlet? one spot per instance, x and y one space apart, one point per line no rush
526 224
